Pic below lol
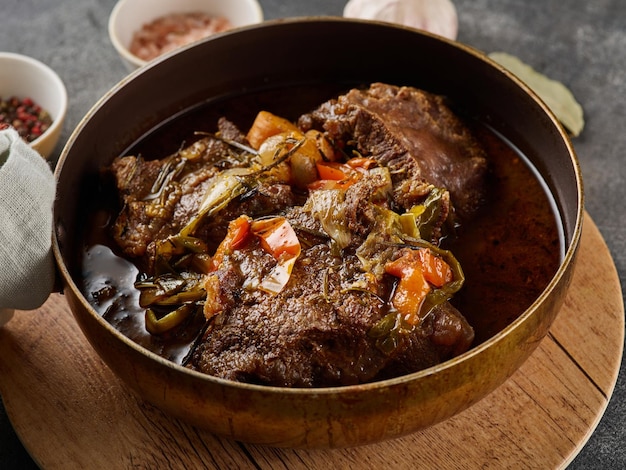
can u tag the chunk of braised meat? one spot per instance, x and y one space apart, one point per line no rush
360 218
153 210
314 333
159 197
415 134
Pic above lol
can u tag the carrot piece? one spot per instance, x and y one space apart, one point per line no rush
332 171
412 287
237 235
266 125
277 236
418 271
361 163
280 240
238 230
334 175
436 271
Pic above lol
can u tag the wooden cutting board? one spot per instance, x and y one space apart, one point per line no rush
70 411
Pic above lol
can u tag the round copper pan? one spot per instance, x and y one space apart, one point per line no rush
316 51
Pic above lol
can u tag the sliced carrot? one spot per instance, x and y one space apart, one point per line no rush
332 171
361 163
238 230
412 287
436 271
277 236
334 175
237 235
418 271
266 125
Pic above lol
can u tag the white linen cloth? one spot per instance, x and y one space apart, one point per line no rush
27 191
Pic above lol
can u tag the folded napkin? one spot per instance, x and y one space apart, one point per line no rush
27 191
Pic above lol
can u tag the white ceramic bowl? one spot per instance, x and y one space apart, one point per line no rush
129 16
25 77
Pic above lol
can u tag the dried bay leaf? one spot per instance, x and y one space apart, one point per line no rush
554 94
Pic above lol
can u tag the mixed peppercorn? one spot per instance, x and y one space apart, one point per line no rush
27 117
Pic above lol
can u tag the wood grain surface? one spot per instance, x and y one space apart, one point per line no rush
70 411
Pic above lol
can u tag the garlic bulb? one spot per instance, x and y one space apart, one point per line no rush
435 16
